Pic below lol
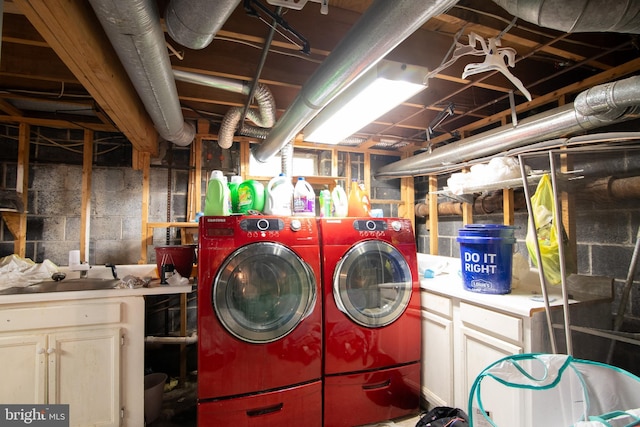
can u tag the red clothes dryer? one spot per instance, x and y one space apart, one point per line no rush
259 322
371 300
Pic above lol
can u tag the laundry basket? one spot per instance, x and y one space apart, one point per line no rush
553 390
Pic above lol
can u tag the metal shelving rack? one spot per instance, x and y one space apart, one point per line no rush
614 334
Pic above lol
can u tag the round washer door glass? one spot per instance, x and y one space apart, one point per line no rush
372 283
262 291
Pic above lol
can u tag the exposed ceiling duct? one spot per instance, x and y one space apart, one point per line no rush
263 118
133 27
383 26
599 106
618 16
194 23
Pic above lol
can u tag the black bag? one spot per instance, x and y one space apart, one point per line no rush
443 416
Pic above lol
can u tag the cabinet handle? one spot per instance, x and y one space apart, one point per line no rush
40 351
376 386
263 411
51 350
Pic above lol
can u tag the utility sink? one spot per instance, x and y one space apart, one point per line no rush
86 284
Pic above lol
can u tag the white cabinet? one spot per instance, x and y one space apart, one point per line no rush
459 341
24 368
84 353
464 332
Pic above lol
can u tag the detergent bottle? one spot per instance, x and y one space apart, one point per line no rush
217 201
339 202
279 196
233 192
325 202
304 199
250 197
356 205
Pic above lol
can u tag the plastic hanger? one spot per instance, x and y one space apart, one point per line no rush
459 50
494 61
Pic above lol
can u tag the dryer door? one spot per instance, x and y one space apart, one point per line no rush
372 283
262 291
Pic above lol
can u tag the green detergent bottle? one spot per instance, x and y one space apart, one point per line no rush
250 196
233 192
217 202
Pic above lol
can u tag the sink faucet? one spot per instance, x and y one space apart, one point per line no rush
76 265
113 270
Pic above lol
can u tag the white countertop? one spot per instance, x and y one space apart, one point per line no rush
154 289
524 299
143 270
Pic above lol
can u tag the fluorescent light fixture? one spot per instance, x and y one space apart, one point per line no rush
379 90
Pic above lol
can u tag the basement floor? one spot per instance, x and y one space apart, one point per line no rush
179 406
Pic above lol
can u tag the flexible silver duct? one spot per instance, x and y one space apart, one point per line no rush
620 16
383 26
133 27
286 158
194 23
599 106
263 118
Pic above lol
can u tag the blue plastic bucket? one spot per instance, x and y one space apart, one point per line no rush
486 252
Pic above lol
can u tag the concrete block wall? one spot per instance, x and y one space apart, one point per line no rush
53 221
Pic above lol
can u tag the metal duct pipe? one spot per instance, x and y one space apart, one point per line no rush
619 16
194 23
383 26
133 27
599 106
263 118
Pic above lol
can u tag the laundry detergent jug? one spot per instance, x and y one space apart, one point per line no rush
304 199
339 202
325 202
217 201
250 196
279 196
233 192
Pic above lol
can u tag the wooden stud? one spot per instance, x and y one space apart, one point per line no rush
85 210
508 206
147 239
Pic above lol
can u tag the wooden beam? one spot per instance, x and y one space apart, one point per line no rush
22 187
85 212
144 162
72 30
9 109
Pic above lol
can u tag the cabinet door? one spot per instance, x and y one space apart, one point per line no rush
479 350
437 356
23 369
84 372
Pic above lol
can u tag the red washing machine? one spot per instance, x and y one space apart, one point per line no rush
371 299
259 325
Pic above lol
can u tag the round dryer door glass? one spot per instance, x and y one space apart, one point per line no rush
262 291
372 283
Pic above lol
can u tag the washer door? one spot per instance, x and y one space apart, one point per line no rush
372 283
262 291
